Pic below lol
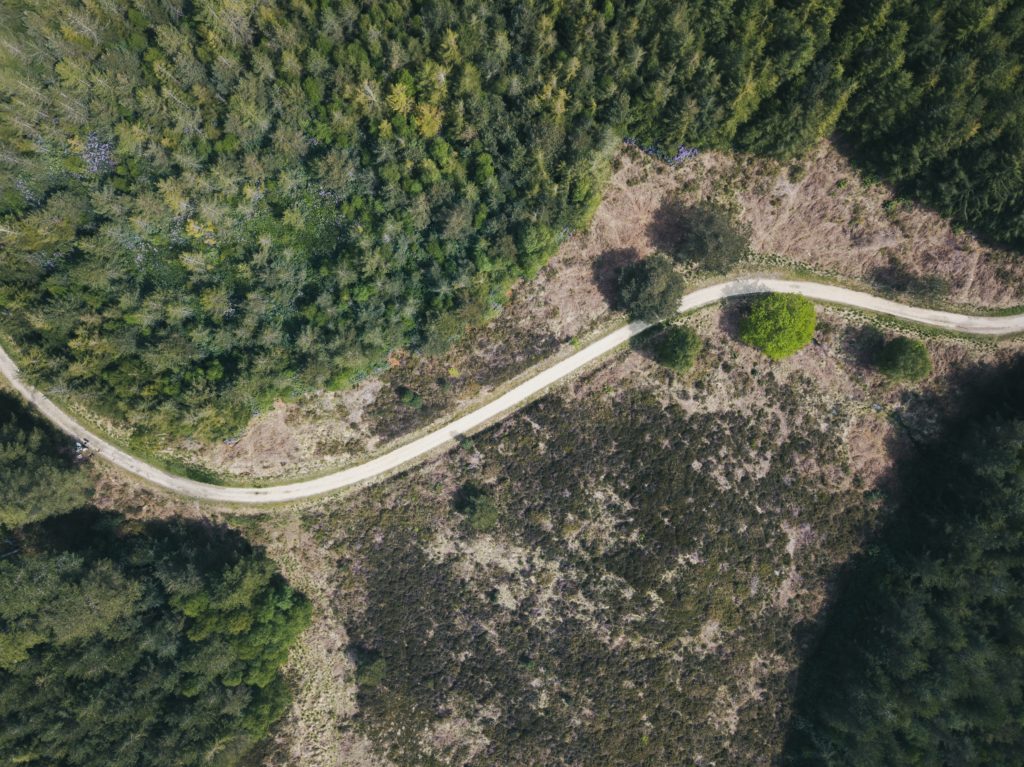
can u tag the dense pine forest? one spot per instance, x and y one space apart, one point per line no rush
207 204
920 659
38 472
125 642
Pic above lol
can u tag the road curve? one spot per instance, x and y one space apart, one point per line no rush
507 402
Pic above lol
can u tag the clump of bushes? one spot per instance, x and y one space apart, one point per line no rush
371 672
677 348
479 507
904 359
652 288
714 240
779 324
410 398
483 517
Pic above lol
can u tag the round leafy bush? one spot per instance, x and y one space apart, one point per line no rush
677 348
779 324
904 359
713 239
652 288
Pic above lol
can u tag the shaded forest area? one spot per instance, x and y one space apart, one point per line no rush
204 205
125 642
919 660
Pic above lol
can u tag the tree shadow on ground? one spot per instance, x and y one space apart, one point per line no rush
96 533
466 495
732 314
643 344
896 277
862 344
606 270
667 228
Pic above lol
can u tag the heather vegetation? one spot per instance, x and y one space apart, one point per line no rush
205 205
606 578
634 571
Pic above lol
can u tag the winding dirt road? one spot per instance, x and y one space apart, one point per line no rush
445 435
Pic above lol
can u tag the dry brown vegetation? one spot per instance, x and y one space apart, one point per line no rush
794 454
821 213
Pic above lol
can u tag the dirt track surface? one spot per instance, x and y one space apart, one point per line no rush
502 405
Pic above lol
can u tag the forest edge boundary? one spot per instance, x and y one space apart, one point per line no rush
501 406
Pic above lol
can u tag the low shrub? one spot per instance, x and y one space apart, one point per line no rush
779 324
677 348
904 359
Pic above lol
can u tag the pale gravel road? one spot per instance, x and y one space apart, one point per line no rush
507 402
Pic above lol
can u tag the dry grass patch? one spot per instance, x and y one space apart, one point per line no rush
820 212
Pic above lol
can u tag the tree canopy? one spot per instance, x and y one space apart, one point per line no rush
651 289
139 644
205 205
925 94
904 359
779 324
37 470
920 660
712 238
678 347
